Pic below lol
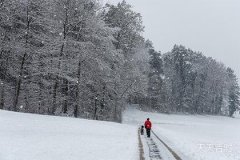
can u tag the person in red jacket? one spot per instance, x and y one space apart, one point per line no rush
148 126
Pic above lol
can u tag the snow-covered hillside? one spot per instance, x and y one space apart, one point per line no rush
194 137
36 137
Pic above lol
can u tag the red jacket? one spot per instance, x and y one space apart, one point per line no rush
148 124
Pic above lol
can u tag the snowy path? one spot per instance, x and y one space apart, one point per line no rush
156 149
191 137
151 148
175 155
154 152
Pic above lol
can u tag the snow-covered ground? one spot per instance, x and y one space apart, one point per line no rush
36 137
194 137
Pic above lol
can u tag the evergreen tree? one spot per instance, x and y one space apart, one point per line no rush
182 68
194 83
234 93
156 80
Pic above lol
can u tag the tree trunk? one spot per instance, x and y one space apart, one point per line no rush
77 106
55 96
57 83
2 69
78 94
66 93
2 100
19 82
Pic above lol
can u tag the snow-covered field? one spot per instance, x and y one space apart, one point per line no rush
194 137
36 137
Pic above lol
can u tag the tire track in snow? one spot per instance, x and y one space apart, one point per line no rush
154 152
141 152
175 155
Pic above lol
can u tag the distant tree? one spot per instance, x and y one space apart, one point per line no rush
182 68
26 34
234 92
156 80
84 61
129 42
129 26
195 83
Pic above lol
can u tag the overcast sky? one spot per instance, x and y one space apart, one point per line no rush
209 26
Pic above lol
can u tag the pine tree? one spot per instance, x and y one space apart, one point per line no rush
156 80
234 93
181 71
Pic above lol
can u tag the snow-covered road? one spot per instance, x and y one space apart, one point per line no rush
156 149
193 137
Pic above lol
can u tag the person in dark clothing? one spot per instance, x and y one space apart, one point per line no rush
148 126
142 130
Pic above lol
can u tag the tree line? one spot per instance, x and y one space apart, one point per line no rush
69 57
78 58
189 82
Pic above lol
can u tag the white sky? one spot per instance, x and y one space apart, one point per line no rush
209 26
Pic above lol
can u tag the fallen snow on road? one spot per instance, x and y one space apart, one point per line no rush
194 137
36 137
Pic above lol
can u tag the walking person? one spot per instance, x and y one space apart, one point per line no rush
148 126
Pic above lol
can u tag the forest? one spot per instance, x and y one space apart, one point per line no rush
80 58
